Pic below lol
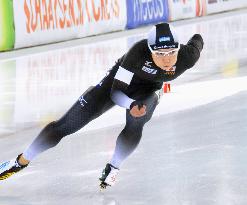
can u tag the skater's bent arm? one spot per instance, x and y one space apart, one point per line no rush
121 99
121 82
137 109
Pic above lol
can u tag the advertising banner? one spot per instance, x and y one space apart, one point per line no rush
7 32
214 6
45 21
140 12
200 7
181 9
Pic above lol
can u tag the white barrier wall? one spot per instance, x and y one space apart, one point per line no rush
45 21
180 9
44 79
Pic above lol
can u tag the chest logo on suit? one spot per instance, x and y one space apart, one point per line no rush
148 64
148 68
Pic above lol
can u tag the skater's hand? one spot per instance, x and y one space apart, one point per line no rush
137 109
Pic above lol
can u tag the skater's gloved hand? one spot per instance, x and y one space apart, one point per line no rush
137 109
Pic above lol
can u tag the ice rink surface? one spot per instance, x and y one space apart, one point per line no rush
193 151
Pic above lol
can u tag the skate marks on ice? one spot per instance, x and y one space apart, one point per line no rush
201 154
9 200
195 156
194 94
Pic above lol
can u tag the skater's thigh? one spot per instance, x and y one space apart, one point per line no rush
89 106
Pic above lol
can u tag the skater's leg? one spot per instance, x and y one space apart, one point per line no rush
131 135
87 108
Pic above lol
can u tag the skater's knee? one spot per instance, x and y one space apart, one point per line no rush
130 138
131 132
51 126
52 130
136 122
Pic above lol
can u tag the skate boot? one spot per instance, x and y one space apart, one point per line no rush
108 177
11 167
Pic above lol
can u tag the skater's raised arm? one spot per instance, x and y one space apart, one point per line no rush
190 53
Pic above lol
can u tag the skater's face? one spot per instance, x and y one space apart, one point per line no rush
165 58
